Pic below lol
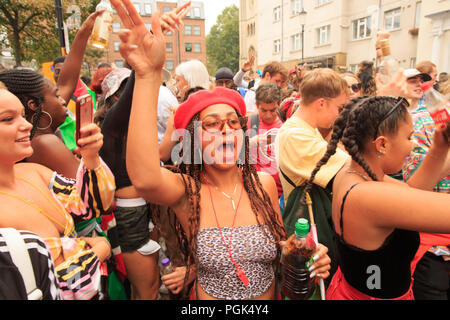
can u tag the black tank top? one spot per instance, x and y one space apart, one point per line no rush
384 273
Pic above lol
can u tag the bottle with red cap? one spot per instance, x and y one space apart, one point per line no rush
437 104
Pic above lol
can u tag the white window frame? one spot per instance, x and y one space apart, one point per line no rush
390 18
296 7
277 46
324 35
137 5
188 27
296 42
418 14
116 27
197 47
322 2
196 12
276 14
198 32
116 45
365 22
169 47
148 6
170 65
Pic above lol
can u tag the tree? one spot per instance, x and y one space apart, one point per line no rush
222 43
30 27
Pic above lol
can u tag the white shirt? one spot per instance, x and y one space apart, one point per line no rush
166 101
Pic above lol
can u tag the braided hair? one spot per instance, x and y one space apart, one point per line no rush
356 125
259 199
26 85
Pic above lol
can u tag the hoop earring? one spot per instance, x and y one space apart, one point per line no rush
50 117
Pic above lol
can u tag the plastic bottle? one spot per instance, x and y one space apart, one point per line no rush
389 65
166 266
100 34
437 104
296 283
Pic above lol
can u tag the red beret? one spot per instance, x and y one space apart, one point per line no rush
202 99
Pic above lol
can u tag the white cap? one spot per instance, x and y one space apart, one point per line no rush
409 73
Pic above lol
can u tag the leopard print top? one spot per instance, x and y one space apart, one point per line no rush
252 251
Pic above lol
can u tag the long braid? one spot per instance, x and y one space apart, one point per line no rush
338 129
26 85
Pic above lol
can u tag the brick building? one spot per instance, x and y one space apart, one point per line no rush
187 44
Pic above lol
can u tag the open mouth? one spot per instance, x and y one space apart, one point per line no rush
25 139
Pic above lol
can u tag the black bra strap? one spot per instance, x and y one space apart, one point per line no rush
342 209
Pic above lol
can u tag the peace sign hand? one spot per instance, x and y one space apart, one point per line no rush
144 51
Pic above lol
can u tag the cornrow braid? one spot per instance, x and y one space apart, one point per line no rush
338 129
26 85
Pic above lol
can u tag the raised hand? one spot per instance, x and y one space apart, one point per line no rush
144 51
249 64
172 19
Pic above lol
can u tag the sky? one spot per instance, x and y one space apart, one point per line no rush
214 8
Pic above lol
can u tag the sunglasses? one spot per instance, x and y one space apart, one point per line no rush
355 87
401 101
214 125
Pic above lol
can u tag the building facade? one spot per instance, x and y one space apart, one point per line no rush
339 34
187 44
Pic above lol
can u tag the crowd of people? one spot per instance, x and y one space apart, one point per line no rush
213 172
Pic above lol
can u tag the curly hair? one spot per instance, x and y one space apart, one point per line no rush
366 75
357 125
265 214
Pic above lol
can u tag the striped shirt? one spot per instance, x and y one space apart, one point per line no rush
12 286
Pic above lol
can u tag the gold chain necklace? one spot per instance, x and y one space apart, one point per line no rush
70 230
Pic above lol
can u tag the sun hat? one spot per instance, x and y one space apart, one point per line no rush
113 80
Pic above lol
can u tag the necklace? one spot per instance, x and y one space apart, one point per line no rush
239 272
226 195
68 228
359 174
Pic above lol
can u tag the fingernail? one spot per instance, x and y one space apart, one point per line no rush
316 257
133 46
311 268
312 275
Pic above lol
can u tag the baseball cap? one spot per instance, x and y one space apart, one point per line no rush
410 73
113 80
224 73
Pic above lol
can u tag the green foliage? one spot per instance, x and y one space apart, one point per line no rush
31 29
222 43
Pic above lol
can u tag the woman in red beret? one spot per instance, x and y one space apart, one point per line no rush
227 214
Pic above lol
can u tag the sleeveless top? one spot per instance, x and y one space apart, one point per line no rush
252 250
384 273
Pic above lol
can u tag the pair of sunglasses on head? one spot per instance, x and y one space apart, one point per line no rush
355 87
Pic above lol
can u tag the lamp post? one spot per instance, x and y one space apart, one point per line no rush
303 13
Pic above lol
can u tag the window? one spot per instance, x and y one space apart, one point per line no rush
196 12
296 42
412 62
321 2
323 35
296 6
187 30
166 9
148 8
169 64
418 14
116 27
188 47
362 28
392 19
197 47
276 14
197 31
169 47
277 46
118 63
116 46
137 6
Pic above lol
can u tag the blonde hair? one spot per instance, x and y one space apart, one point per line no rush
425 66
444 87
321 83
